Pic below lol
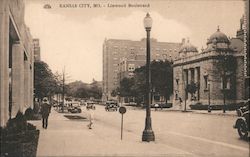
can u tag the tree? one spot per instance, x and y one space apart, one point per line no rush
81 93
126 85
192 88
45 81
161 79
227 66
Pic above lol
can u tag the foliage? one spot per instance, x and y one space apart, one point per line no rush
192 88
230 107
79 89
162 77
126 87
161 81
19 138
45 82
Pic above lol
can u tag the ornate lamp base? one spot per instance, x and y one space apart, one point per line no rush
148 135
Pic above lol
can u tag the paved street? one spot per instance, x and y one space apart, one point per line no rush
177 134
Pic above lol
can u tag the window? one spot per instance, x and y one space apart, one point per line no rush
131 67
226 84
206 82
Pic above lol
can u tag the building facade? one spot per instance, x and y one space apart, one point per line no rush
130 54
16 61
37 51
216 72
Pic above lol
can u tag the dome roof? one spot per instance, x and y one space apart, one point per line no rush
188 47
218 37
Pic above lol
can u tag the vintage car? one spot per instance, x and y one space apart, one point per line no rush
74 108
111 106
242 123
90 105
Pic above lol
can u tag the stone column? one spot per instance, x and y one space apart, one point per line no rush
189 82
195 75
31 87
4 63
26 84
196 81
17 78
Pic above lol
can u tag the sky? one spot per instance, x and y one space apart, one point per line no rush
72 37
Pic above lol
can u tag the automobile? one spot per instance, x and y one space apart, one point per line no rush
242 123
74 108
161 105
90 105
111 106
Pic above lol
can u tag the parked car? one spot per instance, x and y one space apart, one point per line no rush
111 106
161 105
75 108
242 123
90 105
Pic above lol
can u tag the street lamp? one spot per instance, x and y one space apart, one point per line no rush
209 106
148 134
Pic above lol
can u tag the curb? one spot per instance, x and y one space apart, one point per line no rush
196 112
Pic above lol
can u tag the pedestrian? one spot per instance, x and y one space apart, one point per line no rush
180 103
45 111
91 117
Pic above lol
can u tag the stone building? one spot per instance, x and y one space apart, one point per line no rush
37 52
216 71
117 52
16 61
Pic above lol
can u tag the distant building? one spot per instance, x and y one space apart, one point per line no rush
16 61
36 45
211 70
132 54
127 67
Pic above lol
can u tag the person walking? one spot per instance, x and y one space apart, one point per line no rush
91 117
180 103
45 111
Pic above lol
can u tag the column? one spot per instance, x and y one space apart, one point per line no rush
189 82
31 87
4 64
26 84
196 81
17 78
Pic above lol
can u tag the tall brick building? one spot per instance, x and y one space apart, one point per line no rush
16 61
218 69
129 55
37 52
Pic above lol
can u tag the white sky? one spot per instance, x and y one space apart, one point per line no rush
73 37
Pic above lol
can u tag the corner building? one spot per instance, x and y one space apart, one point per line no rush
216 70
117 53
16 61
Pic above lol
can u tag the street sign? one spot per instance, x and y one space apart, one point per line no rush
122 110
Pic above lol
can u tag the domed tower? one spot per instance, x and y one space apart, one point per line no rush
217 41
187 49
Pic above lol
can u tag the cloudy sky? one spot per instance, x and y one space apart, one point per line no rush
73 37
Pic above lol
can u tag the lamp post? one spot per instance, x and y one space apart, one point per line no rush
209 106
148 134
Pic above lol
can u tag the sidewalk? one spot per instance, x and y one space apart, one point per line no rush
66 137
